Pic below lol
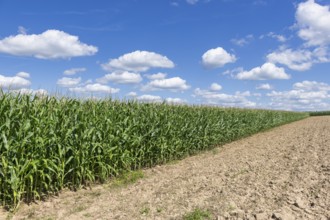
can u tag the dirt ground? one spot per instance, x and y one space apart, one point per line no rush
283 173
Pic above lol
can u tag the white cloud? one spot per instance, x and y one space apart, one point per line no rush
305 96
313 26
233 72
298 100
265 86
14 82
215 87
131 94
68 82
265 72
51 44
172 84
94 88
244 94
23 75
156 76
299 60
217 57
175 101
313 21
242 41
74 71
121 78
278 37
139 61
89 81
309 96
222 99
311 85
321 55
149 98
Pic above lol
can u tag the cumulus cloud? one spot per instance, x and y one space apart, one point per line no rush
244 94
14 82
74 71
321 55
265 86
94 88
131 94
313 26
150 98
311 86
300 95
265 72
121 78
313 22
299 60
156 76
305 96
232 73
215 87
138 61
299 100
23 75
68 82
172 84
51 44
217 57
237 100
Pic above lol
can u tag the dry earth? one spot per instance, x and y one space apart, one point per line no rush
283 173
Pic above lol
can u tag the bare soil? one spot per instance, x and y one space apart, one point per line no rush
283 173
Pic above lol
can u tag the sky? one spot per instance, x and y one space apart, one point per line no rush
272 54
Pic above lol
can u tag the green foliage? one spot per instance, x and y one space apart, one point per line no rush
145 211
47 143
128 178
197 214
321 113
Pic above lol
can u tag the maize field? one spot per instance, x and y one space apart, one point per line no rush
48 143
320 113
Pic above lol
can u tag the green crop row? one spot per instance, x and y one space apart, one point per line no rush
321 113
48 143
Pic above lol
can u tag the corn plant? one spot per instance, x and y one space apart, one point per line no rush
319 113
48 143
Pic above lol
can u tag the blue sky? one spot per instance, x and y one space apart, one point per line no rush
254 54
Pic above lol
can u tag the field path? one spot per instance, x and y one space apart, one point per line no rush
283 173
